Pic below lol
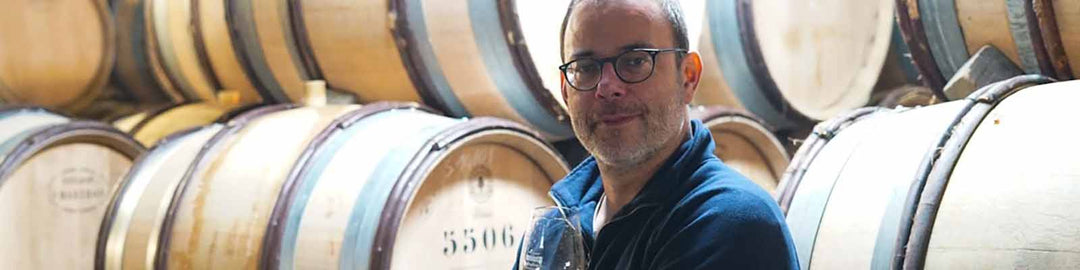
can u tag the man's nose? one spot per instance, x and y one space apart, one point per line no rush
610 86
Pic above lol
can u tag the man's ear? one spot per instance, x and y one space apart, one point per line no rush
691 72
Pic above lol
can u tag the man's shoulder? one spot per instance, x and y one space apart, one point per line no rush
724 220
721 193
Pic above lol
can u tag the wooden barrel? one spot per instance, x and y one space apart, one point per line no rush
56 178
56 54
19 119
796 62
280 209
133 70
215 40
1066 18
128 123
132 226
464 58
944 33
906 96
746 144
466 182
128 235
873 193
185 43
263 35
159 124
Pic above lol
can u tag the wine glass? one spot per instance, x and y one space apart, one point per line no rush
553 241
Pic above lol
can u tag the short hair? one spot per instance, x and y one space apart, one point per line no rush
671 8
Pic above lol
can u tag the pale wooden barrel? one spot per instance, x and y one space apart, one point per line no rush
796 62
192 50
214 39
866 195
56 54
173 31
261 176
133 225
263 35
159 124
469 182
907 96
1008 203
944 33
464 58
133 71
19 119
56 179
870 171
746 144
129 122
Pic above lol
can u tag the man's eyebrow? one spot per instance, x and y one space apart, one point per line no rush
624 48
635 45
580 54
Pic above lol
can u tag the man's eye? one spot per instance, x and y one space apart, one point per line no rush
588 69
636 61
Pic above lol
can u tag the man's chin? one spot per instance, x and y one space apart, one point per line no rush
620 157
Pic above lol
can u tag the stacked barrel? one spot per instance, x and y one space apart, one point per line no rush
418 134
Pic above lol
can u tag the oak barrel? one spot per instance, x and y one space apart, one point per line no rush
263 36
795 62
150 126
981 182
56 54
132 70
132 226
480 58
329 186
746 144
194 49
1040 36
56 179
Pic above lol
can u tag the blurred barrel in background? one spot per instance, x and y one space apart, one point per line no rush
56 179
1040 36
149 127
132 70
793 63
191 38
464 58
746 144
263 35
55 54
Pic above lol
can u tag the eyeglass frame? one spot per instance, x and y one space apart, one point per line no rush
613 60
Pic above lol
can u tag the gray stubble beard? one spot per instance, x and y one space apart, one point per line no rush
659 130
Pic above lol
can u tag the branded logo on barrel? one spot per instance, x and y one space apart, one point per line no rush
78 189
480 186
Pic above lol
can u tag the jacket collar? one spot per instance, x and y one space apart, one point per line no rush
583 184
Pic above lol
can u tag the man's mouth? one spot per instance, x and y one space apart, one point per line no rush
618 119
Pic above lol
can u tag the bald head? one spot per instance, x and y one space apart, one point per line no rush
669 11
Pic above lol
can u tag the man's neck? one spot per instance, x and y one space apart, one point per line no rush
623 183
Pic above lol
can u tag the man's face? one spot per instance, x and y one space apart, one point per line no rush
625 123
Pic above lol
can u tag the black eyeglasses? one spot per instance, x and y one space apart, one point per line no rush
632 66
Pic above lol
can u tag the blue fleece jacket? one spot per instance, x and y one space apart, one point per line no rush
694 213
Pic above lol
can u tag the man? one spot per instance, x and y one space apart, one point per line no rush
653 195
